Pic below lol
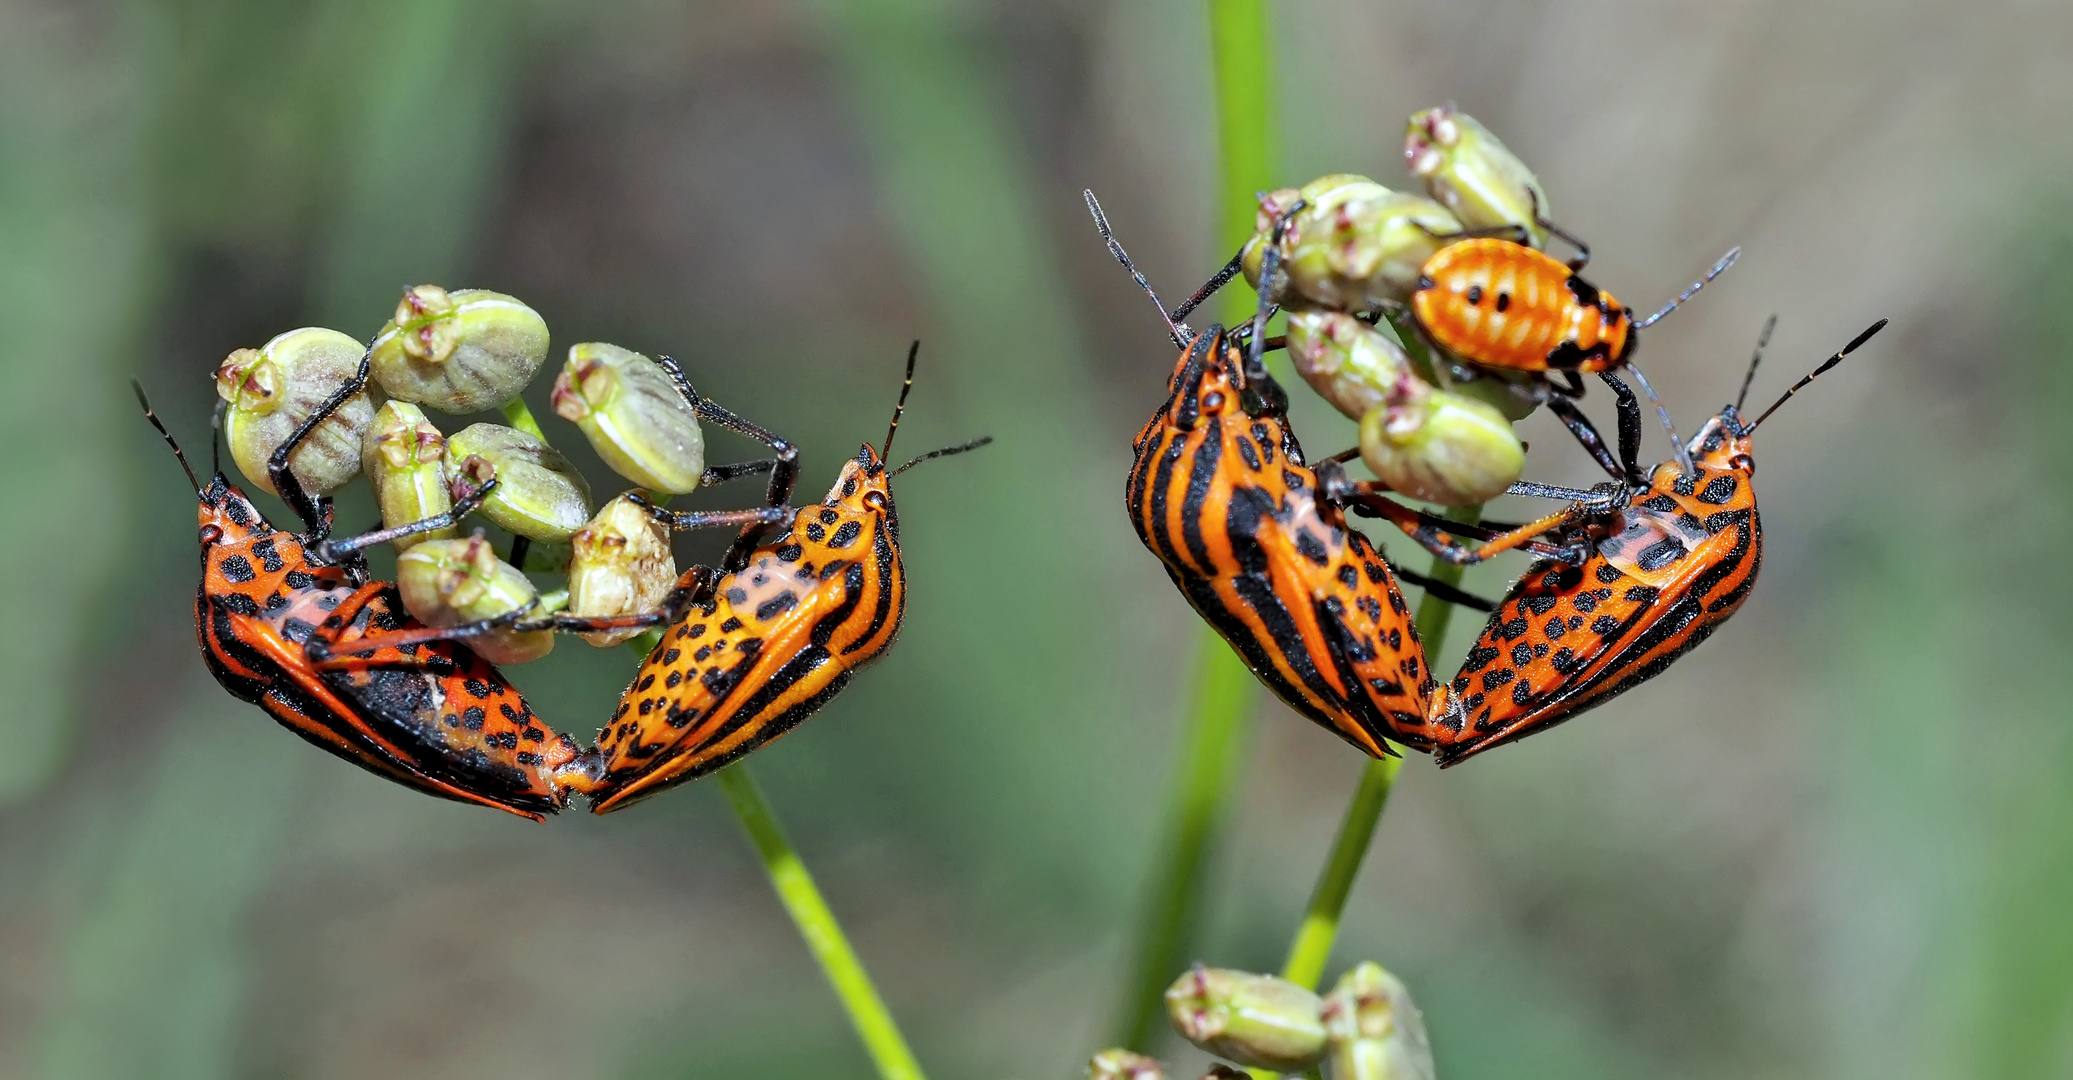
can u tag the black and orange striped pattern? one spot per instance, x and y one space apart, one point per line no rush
1502 304
1225 500
767 647
1665 572
432 716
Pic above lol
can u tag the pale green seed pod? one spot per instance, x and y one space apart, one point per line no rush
539 495
621 565
404 456
1374 1029
1354 247
459 352
1442 447
451 582
274 388
1120 1064
1512 392
1255 1020
1470 172
631 412
1351 364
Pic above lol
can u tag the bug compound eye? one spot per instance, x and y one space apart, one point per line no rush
1742 463
875 500
210 534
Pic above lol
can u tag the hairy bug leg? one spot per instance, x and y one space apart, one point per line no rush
784 468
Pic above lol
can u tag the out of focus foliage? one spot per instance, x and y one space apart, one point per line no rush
1835 842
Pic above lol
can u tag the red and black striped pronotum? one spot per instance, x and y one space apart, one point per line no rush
1661 574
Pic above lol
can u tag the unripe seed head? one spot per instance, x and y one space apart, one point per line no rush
1374 1029
621 564
631 412
1443 447
459 352
539 495
1355 246
274 388
1121 1064
405 459
1353 365
1255 1020
451 582
1471 173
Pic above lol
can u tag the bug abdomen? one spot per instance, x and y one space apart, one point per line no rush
1503 305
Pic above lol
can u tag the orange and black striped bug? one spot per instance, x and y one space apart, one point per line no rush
1219 491
1660 575
752 649
436 718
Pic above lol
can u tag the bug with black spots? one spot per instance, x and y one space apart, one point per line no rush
1659 576
751 649
1221 493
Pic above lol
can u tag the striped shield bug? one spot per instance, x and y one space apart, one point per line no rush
753 648
1661 574
1220 492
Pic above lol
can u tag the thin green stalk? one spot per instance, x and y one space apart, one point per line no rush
1220 705
1313 943
795 887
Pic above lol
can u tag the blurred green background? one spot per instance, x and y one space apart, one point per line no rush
1836 841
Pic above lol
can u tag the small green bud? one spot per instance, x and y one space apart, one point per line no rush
1355 246
1120 1064
539 495
274 388
405 458
1442 446
1255 1020
1374 1029
1471 173
621 565
1353 365
450 582
633 416
459 352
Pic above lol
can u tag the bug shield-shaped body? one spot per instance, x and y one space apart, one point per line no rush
431 716
1504 305
774 643
1664 573
1225 501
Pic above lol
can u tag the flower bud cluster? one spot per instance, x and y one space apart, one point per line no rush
1351 253
463 351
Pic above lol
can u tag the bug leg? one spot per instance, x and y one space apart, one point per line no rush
332 551
1437 534
1586 433
762 516
283 478
1582 258
1630 430
1450 593
1684 457
784 469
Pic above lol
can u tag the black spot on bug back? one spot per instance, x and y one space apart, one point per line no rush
268 557
1659 503
1349 577
1586 294
1249 453
1719 490
1565 661
1310 547
777 605
730 626
1684 484
472 717
1504 301
846 535
1642 594
829 516
296 630
237 604
476 688
815 532
1474 296
237 568
297 579
1478 659
789 552
1660 554
736 595
1376 572
1608 573
1539 604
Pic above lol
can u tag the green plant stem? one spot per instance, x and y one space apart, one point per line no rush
795 887
1313 943
521 418
1220 705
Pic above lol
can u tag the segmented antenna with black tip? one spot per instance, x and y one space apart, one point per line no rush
166 435
1817 372
1763 341
1178 331
906 385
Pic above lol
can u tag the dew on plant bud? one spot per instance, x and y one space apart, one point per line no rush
633 415
404 456
274 388
1473 174
459 352
539 495
1259 1021
620 564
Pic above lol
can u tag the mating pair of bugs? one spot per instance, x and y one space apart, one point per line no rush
1634 573
290 622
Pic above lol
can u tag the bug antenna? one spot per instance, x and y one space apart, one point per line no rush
216 436
1816 373
1719 268
1173 329
1755 358
166 435
947 451
1684 456
906 384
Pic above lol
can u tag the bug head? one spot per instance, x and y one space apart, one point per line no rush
1207 382
1727 441
865 485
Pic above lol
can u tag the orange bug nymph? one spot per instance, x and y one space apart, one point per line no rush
1661 574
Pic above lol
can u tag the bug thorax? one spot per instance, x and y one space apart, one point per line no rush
1725 443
